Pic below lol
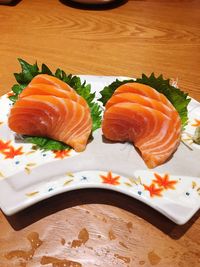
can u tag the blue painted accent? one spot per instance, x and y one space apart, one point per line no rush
17 162
50 189
84 178
139 193
44 155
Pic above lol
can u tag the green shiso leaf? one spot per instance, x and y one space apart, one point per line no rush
28 72
45 143
178 98
46 70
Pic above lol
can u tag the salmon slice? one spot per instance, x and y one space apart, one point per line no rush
51 80
141 99
142 89
139 114
50 89
49 107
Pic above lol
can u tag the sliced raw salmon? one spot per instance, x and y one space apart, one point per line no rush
51 111
142 89
48 79
141 115
49 89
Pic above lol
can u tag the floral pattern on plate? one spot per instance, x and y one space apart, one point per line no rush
176 195
155 189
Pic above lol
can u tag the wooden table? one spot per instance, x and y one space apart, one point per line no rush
128 39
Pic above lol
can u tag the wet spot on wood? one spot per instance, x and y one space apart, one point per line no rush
83 237
129 226
111 235
62 241
141 262
22 264
99 236
122 244
124 259
35 242
58 262
154 259
104 220
76 243
91 248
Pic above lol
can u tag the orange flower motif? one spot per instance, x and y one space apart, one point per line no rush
10 93
62 153
109 179
4 145
12 152
197 123
164 181
153 190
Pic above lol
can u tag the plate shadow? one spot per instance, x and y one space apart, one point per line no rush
74 198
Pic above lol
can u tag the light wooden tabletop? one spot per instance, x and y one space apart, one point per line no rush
96 227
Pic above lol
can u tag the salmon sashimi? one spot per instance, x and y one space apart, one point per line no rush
139 114
48 89
52 112
142 89
48 79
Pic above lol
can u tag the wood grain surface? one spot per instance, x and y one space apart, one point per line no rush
96 227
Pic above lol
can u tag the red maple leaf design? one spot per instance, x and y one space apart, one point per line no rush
61 153
197 123
12 152
153 190
109 179
164 181
4 145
